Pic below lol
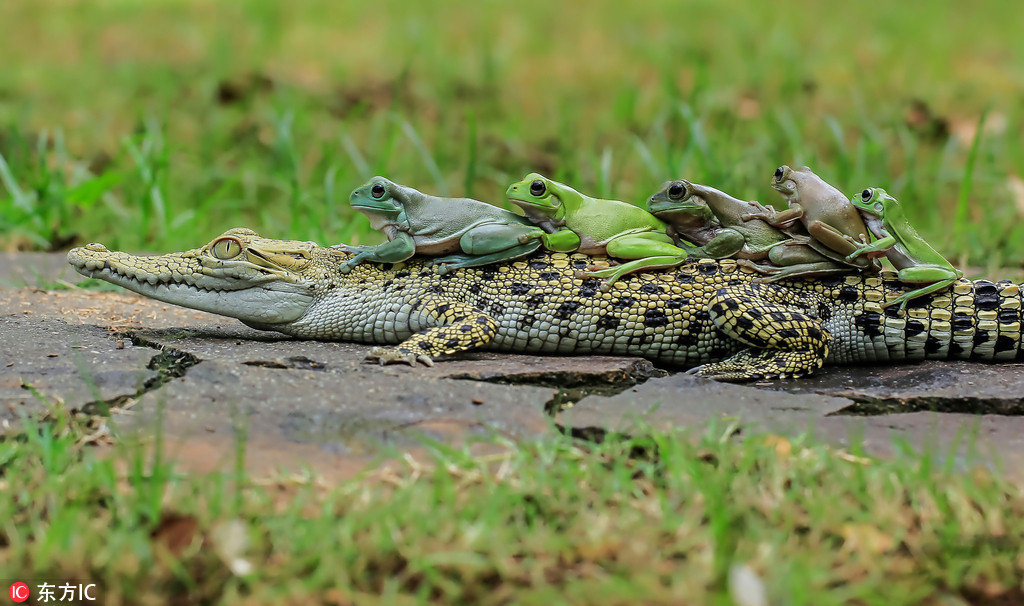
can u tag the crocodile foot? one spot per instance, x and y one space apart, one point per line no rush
397 355
761 365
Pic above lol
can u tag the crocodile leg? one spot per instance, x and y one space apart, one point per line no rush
458 327
785 339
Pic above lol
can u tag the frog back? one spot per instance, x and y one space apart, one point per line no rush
729 211
837 212
601 220
909 243
434 219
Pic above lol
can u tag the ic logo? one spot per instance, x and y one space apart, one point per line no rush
18 592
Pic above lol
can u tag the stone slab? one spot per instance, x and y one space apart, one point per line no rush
301 403
47 357
822 407
955 386
682 400
304 416
317 404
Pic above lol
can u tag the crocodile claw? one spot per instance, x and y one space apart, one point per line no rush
397 355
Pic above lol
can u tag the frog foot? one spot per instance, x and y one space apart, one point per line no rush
347 266
352 248
397 355
758 267
593 271
610 275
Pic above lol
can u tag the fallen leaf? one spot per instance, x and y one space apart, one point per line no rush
745 586
865 538
230 541
175 531
783 448
849 458
748 108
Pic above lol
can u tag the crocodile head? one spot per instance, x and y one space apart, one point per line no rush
262 282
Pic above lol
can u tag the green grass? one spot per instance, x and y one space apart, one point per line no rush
662 519
157 126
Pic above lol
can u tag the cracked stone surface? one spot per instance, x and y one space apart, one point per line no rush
298 403
938 386
316 404
879 409
47 357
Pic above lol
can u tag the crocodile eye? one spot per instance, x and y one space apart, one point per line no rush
537 188
780 172
227 248
676 191
377 191
865 195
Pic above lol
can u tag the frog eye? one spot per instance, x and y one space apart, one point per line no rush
866 194
676 191
537 188
378 191
780 172
227 248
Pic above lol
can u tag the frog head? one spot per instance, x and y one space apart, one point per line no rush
679 201
378 195
801 185
540 197
873 201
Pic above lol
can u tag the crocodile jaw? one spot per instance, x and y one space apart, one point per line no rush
258 296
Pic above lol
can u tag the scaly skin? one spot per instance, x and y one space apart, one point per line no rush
707 313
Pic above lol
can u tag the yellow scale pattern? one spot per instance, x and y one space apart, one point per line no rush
705 313
713 315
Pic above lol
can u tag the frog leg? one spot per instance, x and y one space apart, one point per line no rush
651 250
496 237
450 262
878 246
838 242
394 251
783 218
563 240
757 250
724 245
455 327
795 261
785 338
785 255
491 243
934 276
805 270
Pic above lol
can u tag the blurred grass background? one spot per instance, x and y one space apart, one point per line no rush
157 125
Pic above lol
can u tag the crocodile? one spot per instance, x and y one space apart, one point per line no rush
713 317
